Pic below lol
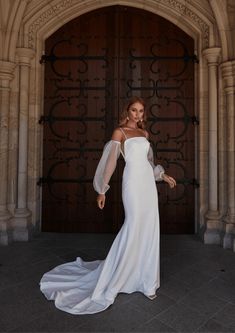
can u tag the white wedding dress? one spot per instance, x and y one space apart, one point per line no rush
132 263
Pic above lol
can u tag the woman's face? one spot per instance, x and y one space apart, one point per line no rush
136 112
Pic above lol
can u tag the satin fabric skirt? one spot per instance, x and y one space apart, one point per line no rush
132 263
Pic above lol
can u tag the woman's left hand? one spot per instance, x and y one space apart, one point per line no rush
170 180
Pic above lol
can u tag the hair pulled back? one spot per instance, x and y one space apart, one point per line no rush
124 113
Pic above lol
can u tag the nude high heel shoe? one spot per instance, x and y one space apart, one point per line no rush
151 297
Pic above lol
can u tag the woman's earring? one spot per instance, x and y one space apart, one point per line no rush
127 118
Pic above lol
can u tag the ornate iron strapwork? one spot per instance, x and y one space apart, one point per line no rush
91 72
156 88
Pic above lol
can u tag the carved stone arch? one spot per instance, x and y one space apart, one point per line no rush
13 26
222 25
16 25
50 18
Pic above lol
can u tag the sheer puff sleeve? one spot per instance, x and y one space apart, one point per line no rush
106 166
158 170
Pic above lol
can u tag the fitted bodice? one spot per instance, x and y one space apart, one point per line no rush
136 149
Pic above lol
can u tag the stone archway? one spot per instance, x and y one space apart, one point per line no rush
188 20
41 20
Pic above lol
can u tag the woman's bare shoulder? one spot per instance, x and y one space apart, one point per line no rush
145 132
117 134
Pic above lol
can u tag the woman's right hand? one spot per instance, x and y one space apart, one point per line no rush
101 200
170 180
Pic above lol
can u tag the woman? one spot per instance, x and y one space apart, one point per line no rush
132 263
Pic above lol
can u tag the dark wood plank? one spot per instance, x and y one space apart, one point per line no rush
97 61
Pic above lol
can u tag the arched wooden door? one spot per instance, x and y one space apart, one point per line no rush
92 65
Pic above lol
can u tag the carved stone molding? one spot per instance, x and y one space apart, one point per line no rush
186 11
61 6
45 17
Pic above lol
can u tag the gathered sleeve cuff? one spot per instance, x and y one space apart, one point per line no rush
106 166
158 170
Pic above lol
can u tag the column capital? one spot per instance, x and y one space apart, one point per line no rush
229 90
228 74
212 55
6 70
25 55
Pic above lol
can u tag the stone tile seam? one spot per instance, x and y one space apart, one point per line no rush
213 319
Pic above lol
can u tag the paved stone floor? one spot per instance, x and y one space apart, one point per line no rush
197 292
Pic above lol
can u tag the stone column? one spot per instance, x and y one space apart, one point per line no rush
6 75
213 224
228 74
22 216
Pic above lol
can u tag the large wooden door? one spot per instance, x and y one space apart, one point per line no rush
93 64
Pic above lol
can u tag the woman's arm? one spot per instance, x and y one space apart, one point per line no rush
106 167
159 172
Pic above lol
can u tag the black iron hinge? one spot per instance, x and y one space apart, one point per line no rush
195 120
42 59
195 59
45 58
43 119
39 182
44 180
195 183
189 181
